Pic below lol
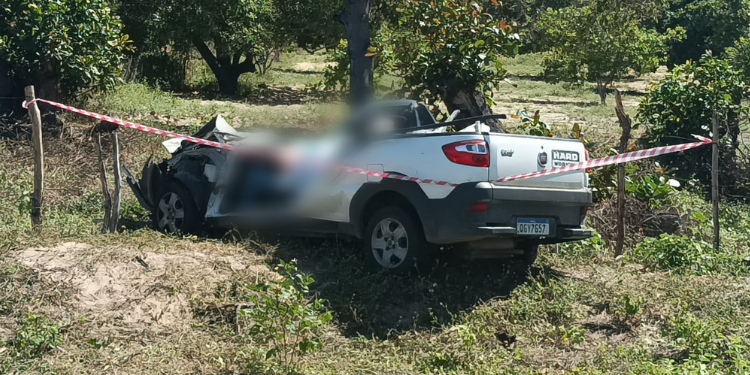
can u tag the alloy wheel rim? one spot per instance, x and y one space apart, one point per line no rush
389 243
171 213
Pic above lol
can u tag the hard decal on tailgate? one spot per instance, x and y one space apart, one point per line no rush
563 158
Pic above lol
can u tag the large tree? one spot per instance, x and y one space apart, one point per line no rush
232 36
600 42
450 50
62 47
710 25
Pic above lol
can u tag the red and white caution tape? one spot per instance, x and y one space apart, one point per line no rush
612 160
132 125
596 163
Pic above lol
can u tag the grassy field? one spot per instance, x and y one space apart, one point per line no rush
73 301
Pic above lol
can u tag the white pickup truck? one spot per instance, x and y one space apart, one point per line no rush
401 223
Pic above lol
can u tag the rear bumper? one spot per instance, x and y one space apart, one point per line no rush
448 220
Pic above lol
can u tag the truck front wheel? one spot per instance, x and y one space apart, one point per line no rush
175 210
394 240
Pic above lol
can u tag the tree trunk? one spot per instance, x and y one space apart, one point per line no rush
470 102
356 19
227 69
47 81
601 88
229 82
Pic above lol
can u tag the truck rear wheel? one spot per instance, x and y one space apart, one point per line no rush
530 253
394 241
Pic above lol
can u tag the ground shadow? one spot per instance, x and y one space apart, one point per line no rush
577 103
607 329
532 78
376 304
16 126
263 95
632 93
296 71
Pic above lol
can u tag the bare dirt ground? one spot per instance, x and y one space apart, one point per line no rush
126 302
132 289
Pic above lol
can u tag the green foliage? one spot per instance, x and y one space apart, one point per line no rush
586 249
523 15
243 35
600 42
440 41
627 309
710 25
78 42
533 125
683 103
652 189
36 336
706 342
564 336
739 55
336 75
543 299
243 26
282 316
683 254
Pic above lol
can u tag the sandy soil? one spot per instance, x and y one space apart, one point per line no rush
122 288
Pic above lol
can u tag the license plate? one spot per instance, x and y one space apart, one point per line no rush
532 227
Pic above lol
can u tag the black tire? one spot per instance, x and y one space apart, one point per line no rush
192 219
403 254
530 253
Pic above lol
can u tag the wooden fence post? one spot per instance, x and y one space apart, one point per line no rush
626 125
118 181
103 179
36 142
715 179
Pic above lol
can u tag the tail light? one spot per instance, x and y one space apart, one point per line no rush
479 207
472 153
584 211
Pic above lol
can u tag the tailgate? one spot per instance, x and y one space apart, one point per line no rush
516 154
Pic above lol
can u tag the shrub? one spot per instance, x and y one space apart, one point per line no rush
78 43
683 104
36 336
705 341
282 316
654 190
683 254
627 309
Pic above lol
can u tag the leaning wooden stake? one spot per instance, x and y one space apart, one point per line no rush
103 178
626 125
118 182
36 141
715 179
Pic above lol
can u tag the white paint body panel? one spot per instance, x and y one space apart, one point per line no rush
326 193
525 152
